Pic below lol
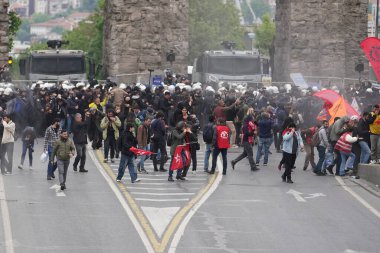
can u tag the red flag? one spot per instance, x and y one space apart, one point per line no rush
187 155
371 48
177 162
140 152
323 115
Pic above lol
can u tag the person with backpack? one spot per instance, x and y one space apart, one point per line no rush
322 143
249 131
28 137
221 144
208 133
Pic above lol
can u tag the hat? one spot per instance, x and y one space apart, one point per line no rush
354 118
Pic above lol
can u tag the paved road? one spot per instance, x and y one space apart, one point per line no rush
247 212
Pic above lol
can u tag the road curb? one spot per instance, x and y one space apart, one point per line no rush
368 186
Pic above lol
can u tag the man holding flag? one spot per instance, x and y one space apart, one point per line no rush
180 155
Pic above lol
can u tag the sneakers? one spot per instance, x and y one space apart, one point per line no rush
181 178
83 170
118 180
265 164
143 171
20 167
30 167
233 165
373 162
112 161
136 181
48 178
329 169
105 161
170 179
75 168
63 187
289 181
194 172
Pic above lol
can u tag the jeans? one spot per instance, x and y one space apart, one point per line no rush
375 146
7 148
142 158
27 146
109 144
264 143
208 151
62 123
179 172
51 167
127 161
69 122
248 152
215 154
62 168
81 156
365 152
344 157
321 155
159 146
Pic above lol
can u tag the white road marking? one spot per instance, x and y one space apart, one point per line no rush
9 247
123 203
160 218
58 191
181 229
161 200
297 195
143 183
157 189
162 194
315 195
358 198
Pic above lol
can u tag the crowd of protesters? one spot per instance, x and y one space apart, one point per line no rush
117 117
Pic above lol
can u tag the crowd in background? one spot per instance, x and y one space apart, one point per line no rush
285 116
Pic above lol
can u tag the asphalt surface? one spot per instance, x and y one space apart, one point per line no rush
248 212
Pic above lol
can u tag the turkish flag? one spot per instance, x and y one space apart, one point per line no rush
187 154
371 48
140 152
177 162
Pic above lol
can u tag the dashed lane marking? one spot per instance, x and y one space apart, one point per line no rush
9 247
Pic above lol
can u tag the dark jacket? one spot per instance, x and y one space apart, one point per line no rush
178 139
158 130
265 128
363 130
28 135
80 131
127 140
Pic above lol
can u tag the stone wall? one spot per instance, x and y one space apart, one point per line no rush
3 31
139 33
319 37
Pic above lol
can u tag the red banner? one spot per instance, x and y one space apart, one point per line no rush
177 162
139 152
371 48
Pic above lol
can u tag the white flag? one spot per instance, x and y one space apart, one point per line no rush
355 105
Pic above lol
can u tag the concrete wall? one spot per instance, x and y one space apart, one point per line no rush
370 172
3 31
139 33
319 38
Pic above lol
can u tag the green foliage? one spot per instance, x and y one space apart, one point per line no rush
23 33
212 22
259 7
39 18
14 25
58 30
265 34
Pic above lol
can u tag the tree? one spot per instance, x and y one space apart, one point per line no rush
88 36
14 25
265 34
210 23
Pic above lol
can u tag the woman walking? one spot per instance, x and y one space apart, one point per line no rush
249 131
292 142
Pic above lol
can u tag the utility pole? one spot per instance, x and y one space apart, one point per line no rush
377 20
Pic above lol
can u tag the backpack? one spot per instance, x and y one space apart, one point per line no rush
315 140
208 133
169 138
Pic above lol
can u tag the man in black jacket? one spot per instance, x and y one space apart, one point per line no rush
80 129
126 142
158 140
